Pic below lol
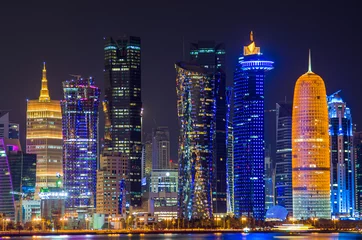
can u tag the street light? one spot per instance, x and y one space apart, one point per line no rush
86 223
109 222
5 223
242 221
335 223
292 219
314 220
63 220
37 219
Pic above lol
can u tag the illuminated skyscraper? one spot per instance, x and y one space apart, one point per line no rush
7 205
230 151
248 122
8 129
80 138
211 57
283 157
195 106
342 162
22 169
357 147
310 148
123 106
44 137
161 148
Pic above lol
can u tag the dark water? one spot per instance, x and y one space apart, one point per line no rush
226 236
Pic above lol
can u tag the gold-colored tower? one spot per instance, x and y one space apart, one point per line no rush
310 148
44 137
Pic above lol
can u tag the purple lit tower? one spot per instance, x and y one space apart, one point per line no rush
80 143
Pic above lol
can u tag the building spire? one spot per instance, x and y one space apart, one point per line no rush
310 62
251 36
44 93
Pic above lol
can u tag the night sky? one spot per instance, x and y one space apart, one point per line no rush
68 36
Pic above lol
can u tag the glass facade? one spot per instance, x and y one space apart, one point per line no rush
357 145
230 152
310 149
161 148
195 106
44 137
283 157
211 57
22 170
342 163
248 124
80 139
122 107
7 205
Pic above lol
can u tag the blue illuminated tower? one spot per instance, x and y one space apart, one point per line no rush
248 124
80 142
230 152
342 162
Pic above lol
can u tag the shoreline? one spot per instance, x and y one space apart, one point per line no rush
165 232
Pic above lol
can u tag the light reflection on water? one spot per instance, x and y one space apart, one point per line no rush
209 236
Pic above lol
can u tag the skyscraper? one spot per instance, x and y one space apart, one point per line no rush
248 122
283 157
342 162
211 57
195 106
161 148
44 137
123 106
230 152
110 178
7 205
310 148
80 139
357 147
22 169
269 179
8 129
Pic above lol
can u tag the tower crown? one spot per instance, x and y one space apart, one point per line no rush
251 49
44 92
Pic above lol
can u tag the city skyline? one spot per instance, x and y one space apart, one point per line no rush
283 41
110 150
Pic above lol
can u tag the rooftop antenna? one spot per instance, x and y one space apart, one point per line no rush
310 62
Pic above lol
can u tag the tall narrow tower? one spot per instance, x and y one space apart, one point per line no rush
248 124
123 107
310 148
80 141
342 162
44 137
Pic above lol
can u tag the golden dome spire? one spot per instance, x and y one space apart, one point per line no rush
251 49
44 93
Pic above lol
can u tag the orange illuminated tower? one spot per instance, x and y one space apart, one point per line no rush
310 148
44 138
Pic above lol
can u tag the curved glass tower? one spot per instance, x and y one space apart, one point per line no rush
248 122
195 107
310 148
